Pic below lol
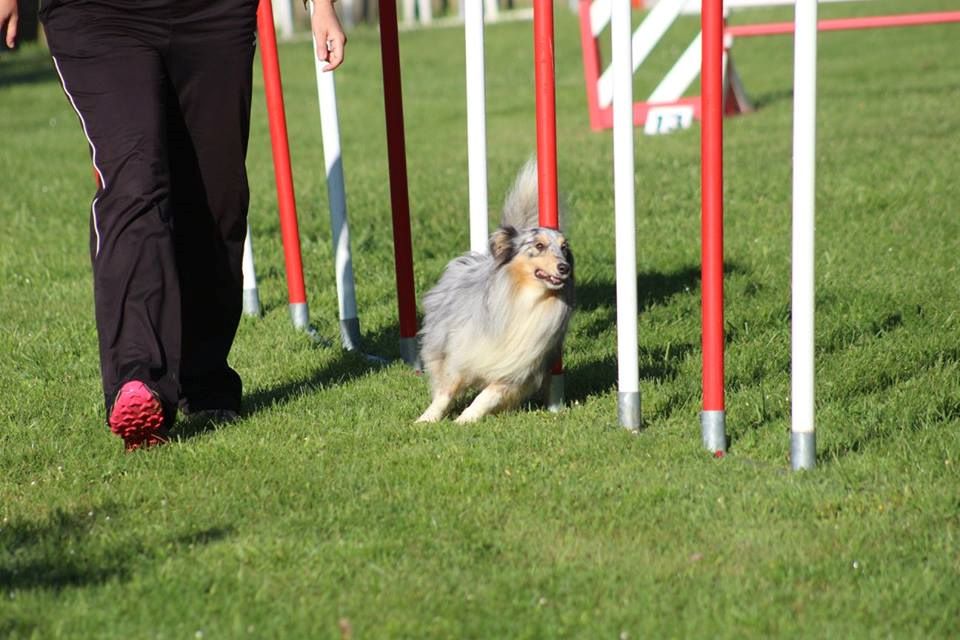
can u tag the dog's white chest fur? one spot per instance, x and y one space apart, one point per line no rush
495 320
515 351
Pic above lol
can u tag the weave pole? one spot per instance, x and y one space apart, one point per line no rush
289 230
546 109
399 197
802 425
713 416
476 125
337 202
628 368
251 295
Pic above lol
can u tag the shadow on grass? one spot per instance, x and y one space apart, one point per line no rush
59 554
30 67
348 365
652 288
583 380
661 362
764 100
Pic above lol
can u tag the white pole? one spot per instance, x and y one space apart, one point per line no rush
337 200
409 12
426 11
283 18
628 396
348 13
476 125
802 440
251 295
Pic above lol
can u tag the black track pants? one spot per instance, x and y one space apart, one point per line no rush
162 88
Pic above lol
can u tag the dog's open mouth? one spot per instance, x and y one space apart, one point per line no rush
552 281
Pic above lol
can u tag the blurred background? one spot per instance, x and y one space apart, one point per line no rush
291 16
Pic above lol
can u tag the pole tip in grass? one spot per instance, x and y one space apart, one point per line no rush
350 334
251 303
628 410
803 450
714 432
555 392
410 353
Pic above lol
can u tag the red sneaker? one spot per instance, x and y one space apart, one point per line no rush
137 417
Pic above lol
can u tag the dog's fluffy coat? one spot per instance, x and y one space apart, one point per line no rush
497 321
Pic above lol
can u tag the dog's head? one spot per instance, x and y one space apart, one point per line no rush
537 256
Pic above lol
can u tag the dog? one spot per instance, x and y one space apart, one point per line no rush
496 322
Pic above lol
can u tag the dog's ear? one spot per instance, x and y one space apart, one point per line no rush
501 244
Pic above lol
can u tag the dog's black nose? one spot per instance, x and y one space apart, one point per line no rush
563 268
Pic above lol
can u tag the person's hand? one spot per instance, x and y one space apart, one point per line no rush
327 33
9 17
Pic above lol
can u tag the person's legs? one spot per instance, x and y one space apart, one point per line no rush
210 61
114 77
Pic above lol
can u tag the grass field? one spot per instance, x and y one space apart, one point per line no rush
325 512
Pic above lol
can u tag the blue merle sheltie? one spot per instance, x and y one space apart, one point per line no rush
495 322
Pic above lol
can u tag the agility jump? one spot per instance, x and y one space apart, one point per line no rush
668 107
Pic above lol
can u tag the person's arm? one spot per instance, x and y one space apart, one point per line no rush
327 33
9 16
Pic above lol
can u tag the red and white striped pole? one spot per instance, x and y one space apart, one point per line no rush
399 198
547 148
289 230
713 416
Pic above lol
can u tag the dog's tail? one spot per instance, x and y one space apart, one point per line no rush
521 206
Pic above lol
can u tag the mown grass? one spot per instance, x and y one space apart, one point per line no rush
326 512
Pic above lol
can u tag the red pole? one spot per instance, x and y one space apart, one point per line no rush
399 198
289 230
546 112
711 153
546 138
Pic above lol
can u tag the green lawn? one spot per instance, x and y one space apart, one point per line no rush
326 512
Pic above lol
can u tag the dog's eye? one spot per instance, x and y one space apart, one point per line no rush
565 247
540 246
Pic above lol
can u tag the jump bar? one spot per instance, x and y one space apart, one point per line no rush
846 24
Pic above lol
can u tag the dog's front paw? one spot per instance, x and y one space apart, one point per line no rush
467 417
430 416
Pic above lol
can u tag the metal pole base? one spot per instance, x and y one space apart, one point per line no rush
410 353
555 393
803 450
350 334
300 315
350 339
713 430
628 410
251 303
